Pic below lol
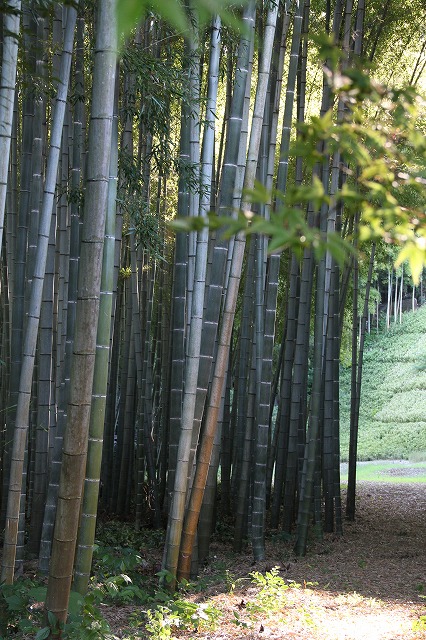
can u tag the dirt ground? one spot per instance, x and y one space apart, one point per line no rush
366 585
369 584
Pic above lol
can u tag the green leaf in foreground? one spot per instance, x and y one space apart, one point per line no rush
415 252
43 633
131 12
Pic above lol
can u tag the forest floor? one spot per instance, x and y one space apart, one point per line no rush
369 584
366 585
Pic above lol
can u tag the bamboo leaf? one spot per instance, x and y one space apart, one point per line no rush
172 11
311 193
280 240
193 223
327 49
415 253
260 225
131 12
207 8
348 193
339 248
38 594
260 194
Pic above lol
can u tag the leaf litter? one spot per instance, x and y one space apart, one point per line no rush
365 585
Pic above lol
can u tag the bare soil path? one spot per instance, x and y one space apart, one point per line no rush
366 585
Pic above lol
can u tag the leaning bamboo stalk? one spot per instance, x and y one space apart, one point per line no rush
63 372
194 340
19 297
229 178
45 339
224 340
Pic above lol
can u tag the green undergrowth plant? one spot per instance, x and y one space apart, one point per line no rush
168 612
154 612
118 580
420 624
119 576
21 610
23 614
160 623
120 590
114 560
272 594
181 614
85 622
115 533
232 582
268 598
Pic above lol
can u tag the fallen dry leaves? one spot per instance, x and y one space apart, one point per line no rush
365 585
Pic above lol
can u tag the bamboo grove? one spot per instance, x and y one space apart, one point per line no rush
175 379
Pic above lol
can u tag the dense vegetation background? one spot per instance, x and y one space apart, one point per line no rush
393 394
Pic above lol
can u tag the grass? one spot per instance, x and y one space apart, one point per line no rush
392 422
397 472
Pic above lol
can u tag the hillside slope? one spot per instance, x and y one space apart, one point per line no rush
393 394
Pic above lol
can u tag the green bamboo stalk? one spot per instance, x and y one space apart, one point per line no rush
12 199
244 409
22 413
194 84
107 475
179 307
126 385
282 423
356 396
87 313
331 463
41 442
7 96
125 449
109 458
62 374
266 334
63 256
86 535
19 296
316 402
